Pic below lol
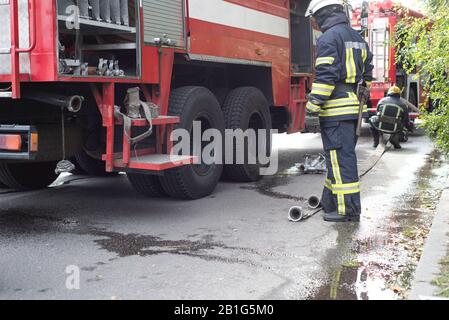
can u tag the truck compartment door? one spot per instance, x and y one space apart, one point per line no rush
301 38
164 22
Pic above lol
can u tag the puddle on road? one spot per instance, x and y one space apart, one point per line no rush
31 221
379 263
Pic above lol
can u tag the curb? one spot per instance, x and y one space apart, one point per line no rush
435 249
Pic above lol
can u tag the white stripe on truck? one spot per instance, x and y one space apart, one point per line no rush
233 15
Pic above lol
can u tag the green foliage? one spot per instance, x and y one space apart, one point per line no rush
442 280
423 44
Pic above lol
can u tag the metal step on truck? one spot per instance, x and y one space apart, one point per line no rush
103 84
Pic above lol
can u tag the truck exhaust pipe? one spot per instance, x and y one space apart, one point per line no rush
314 202
296 214
71 103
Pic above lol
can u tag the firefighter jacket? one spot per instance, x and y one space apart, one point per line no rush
343 60
392 115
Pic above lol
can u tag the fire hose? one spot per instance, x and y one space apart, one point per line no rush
297 213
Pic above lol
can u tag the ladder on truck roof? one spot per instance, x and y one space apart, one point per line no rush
381 56
14 50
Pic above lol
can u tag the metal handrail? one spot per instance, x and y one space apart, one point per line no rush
15 50
32 27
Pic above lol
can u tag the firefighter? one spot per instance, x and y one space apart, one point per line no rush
392 117
343 61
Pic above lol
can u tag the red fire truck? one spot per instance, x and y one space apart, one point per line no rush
66 64
378 20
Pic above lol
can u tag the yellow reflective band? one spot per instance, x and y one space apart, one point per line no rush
324 60
342 106
354 68
339 111
368 83
313 107
337 175
347 188
364 57
341 103
328 184
346 185
323 86
345 192
351 70
322 92
335 166
341 204
322 89
349 101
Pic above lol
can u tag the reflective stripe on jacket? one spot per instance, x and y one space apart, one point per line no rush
343 57
403 116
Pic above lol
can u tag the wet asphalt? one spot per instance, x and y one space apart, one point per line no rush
234 244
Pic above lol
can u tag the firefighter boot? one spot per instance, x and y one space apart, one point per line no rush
394 140
376 137
335 217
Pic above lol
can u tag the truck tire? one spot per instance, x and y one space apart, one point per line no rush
92 166
194 181
28 176
147 185
221 93
246 108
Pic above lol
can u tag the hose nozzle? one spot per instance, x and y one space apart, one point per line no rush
295 214
314 202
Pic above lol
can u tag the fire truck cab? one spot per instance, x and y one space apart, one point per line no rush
377 21
72 70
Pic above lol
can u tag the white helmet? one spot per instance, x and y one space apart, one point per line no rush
316 5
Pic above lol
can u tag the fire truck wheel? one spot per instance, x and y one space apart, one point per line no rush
147 185
247 108
28 176
194 181
221 93
92 166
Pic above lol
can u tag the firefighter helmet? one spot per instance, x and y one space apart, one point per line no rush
394 90
316 5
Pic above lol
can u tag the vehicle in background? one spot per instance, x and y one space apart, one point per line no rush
378 21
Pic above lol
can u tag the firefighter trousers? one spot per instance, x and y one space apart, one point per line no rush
394 138
341 192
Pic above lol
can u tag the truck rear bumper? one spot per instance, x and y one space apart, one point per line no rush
18 142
